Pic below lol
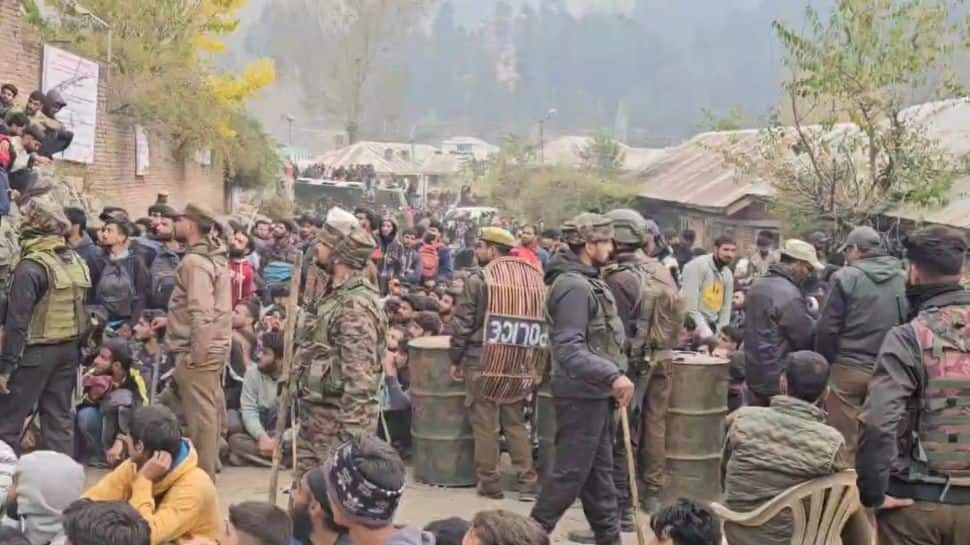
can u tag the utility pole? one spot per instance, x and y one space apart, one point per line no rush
542 144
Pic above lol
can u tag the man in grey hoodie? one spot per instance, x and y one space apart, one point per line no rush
365 480
866 299
44 484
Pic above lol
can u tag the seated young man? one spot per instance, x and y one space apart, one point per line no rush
770 449
113 388
251 433
365 481
89 522
257 523
312 512
501 527
151 355
684 522
163 482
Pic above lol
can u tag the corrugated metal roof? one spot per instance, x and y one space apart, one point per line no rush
373 153
695 173
956 213
564 151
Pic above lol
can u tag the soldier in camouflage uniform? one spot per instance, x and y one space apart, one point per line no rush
339 361
588 380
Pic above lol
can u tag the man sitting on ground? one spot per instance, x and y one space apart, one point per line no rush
257 523
312 513
89 522
44 484
684 523
365 481
504 528
258 406
163 482
770 449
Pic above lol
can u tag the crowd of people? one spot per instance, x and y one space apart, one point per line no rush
156 346
353 173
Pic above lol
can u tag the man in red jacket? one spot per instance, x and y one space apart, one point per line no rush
241 269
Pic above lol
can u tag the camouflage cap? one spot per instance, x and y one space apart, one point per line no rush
355 248
45 217
338 224
593 227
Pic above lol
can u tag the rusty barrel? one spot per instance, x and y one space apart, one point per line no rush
443 445
545 423
695 426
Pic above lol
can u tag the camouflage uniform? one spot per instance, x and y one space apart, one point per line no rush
339 361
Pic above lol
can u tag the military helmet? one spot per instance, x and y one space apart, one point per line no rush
629 226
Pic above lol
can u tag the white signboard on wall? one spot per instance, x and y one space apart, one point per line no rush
142 162
76 78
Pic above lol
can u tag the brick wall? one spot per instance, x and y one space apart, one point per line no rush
111 178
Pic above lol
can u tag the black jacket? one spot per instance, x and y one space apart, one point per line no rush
865 300
777 322
883 457
27 286
570 304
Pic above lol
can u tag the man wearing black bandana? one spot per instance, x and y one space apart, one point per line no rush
312 514
365 480
913 461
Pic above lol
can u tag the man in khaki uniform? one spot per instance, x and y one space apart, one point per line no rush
199 326
466 355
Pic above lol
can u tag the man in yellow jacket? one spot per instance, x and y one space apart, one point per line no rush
163 482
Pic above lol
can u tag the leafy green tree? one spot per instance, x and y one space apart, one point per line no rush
602 155
161 73
515 185
853 151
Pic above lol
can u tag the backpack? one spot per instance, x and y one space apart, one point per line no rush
429 261
116 288
940 440
660 313
163 278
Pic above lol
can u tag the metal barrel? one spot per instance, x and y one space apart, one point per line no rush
442 440
545 423
695 426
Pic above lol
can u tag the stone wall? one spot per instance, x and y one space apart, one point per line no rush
111 178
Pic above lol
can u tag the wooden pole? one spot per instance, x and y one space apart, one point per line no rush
632 476
284 401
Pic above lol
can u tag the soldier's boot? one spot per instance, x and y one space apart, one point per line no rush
492 491
586 537
650 500
528 490
627 524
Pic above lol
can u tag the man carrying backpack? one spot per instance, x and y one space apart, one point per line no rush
168 253
652 312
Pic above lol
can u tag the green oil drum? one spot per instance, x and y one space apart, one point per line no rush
442 440
695 426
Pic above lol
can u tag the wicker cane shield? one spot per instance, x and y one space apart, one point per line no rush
516 337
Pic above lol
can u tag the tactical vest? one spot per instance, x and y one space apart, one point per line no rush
604 332
941 434
60 314
321 379
659 310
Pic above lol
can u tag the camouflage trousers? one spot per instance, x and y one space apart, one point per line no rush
321 432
